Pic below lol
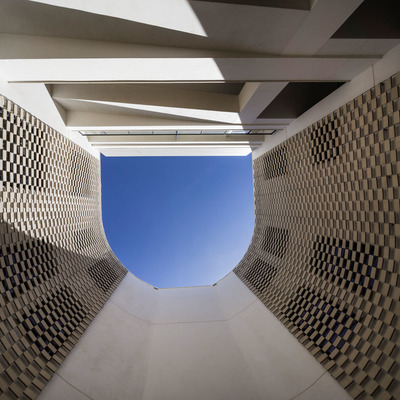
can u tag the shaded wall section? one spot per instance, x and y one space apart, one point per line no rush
57 270
326 249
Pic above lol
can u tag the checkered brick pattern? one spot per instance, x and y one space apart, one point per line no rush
332 194
57 269
274 164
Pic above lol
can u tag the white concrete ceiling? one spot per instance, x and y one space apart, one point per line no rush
128 64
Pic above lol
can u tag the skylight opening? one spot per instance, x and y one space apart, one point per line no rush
178 221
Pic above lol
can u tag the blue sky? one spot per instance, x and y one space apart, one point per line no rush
178 221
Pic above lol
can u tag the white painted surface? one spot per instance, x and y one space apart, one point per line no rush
174 14
185 69
173 151
159 22
187 305
137 298
64 391
210 342
223 117
161 95
176 145
232 305
197 361
278 363
110 360
118 64
324 385
15 46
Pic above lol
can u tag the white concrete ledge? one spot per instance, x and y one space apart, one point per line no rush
210 342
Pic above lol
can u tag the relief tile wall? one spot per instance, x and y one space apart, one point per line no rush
325 256
57 269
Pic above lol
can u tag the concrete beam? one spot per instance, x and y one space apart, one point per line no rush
173 14
206 115
175 151
169 145
185 69
93 121
255 97
120 140
16 46
325 18
148 95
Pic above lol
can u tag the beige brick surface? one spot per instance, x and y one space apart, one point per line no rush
324 257
57 270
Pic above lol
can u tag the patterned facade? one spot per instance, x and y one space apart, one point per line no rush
325 255
57 269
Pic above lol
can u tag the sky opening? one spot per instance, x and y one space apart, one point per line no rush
178 221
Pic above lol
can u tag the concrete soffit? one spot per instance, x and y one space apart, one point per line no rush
176 66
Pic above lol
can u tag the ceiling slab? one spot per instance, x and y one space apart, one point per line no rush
357 47
320 24
181 64
292 4
172 14
267 30
298 97
372 19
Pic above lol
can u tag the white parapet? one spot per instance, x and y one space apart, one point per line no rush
210 342
171 145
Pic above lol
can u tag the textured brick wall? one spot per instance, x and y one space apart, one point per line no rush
325 256
57 269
